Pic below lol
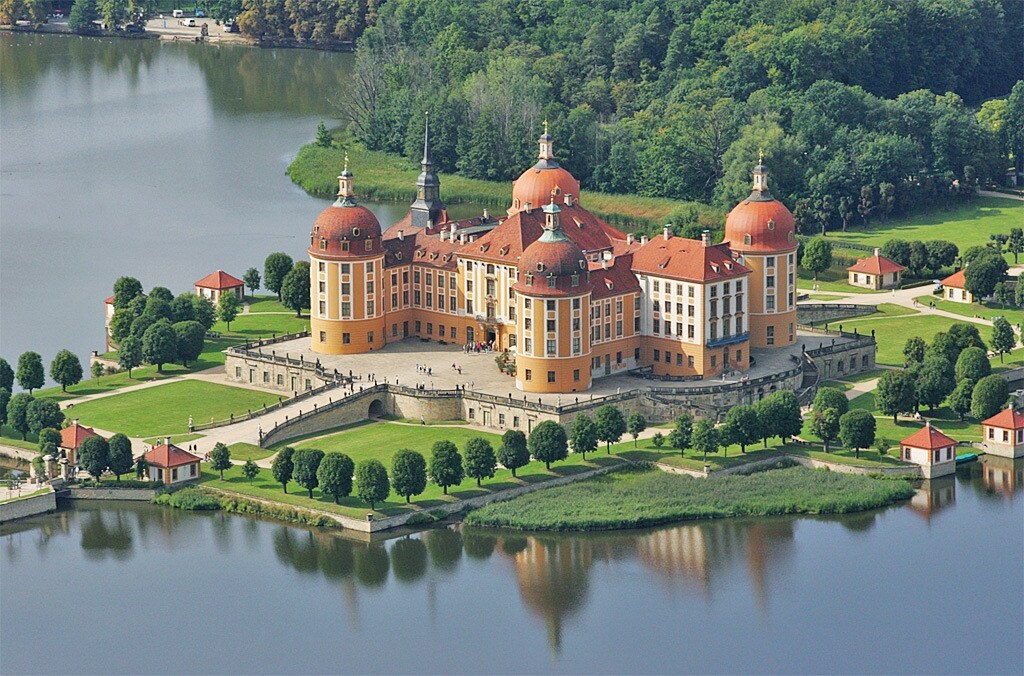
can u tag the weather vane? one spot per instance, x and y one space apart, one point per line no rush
346 160
545 125
760 156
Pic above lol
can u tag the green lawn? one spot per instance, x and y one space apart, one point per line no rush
380 441
165 409
262 325
690 459
834 279
891 334
38 491
258 304
824 296
942 418
11 437
242 451
987 311
965 225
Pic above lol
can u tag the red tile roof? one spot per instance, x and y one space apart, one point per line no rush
688 259
616 279
928 437
769 224
219 280
957 280
417 247
1008 418
73 435
170 456
876 265
109 301
351 223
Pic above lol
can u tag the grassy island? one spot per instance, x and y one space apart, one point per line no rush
637 498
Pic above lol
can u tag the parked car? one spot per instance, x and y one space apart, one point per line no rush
200 13
190 23
134 28
231 27
178 13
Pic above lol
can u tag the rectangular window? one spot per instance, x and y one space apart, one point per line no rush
656 326
657 355
689 361
551 347
528 345
551 325
771 335
472 413
430 299
714 361
369 308
346 309
345 339
321 266
529 372
346 288
501 418
618 306
323 308
575 345
551 376
440 302
618 328
405 276
394 300
369 336
238 369
576 375
416 276
430 328
345 268
515 421
668 357
550 304
280 379
322 286
657 285
770 281
266 377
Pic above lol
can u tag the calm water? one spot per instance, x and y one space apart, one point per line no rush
162 161
930 587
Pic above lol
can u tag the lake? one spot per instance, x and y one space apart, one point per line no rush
933 586
164 161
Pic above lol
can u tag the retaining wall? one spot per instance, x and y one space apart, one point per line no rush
138 494
813 313
23 507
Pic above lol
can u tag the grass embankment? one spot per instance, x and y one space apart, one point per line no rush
165 409
380 441
380 176
637 498
26 495
965 225
262 304
892 331
987 311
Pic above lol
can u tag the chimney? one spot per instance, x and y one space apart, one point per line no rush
167 440
444 235
487 215
878 251
401 235
604 263
629 238
568 200
75 421
529 207
643 239
667 232
705 238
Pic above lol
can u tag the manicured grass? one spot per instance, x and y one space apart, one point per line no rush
965 225
413 421
261 325
824 296
165 409
11 437
242 451
834 279
633 498
891 334
27 495
941 417
987 311
380 176
258 304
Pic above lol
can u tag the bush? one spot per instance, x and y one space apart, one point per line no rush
190 499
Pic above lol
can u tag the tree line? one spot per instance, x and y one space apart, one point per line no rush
863 109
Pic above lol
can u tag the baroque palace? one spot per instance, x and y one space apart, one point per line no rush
569 296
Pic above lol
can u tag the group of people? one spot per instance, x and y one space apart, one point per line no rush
479 347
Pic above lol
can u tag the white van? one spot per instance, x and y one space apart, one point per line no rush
178 13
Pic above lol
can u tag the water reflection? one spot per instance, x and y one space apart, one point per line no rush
933 496
1003 476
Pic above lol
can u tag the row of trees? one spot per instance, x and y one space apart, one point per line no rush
288 279
65 369
832 419
674 99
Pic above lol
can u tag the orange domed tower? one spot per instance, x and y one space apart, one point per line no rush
346 258
553 318
761 229
544 181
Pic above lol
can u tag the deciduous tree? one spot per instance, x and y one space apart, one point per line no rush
583 435
706 437
817 256
30 371
6 375
857 429
17 413
335 475
94 456
295 288
513 452
220 457
896 393
43 413
129 354
611 425
959 399
252 280
1003 337
372 482
228 308
408 473
741 426
66 369
283 467
972 364
190 337
126 289
681 435
913 351
935 380
479 460
5 399
120 458
989 396
446 465
250 470
825 425
275 268
635 425
547 441
307 462
159 344
831 397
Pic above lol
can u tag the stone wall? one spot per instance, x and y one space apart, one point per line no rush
137 494
814 313
23 507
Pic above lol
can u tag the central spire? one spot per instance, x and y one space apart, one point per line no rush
760 189
428 209
346 192
547 146
552 222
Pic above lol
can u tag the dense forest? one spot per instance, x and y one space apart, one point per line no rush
862 107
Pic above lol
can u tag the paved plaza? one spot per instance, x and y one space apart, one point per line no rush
406 361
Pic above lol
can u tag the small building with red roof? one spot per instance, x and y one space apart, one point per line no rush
932 450
1003 433
954 288
71 437
875 272
219 282
171 465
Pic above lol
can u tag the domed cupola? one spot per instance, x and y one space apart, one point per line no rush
553 265
345 229
760 223
546 179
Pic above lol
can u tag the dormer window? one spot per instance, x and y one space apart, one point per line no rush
503 250
789 236
368 245
771 224
323 244
583 265
344 245
398 255
529 279
575 279
551 280
714 267
540 267
747 239
355 232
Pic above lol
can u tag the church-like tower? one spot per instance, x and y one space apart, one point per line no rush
428 209
762 230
